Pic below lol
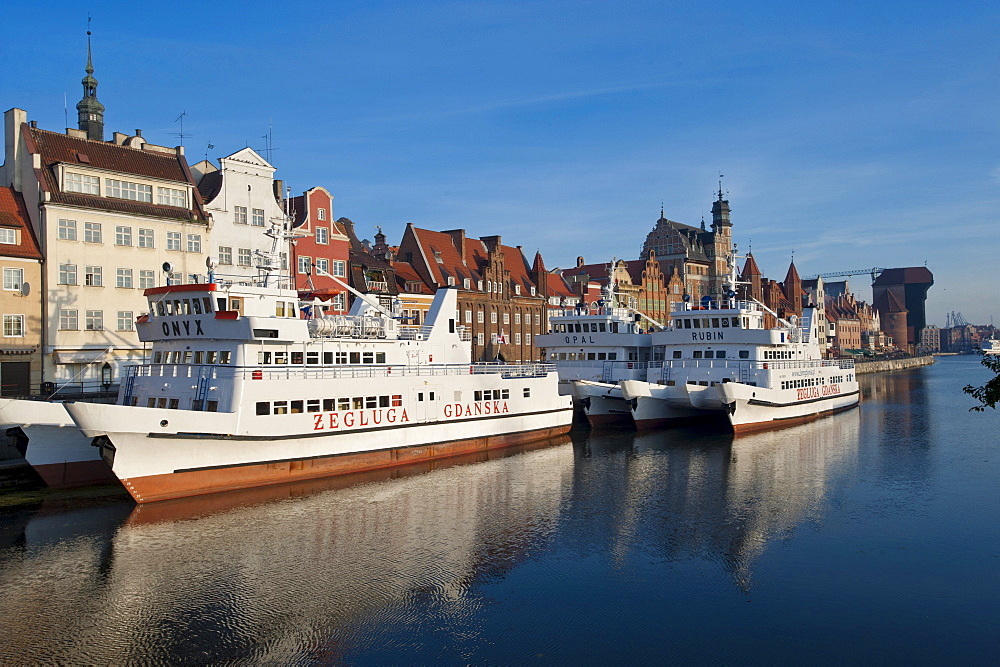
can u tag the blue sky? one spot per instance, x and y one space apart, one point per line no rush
854 134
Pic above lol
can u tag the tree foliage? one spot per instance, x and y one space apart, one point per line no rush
988 395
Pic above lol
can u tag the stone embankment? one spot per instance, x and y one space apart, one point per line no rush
862 367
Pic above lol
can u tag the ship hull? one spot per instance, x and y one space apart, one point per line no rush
602 404
184 483
755 409
658 406
209 452
53 445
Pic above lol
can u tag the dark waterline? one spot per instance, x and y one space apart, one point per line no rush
869 536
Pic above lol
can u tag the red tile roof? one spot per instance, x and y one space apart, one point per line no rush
14 214
56 148
405 273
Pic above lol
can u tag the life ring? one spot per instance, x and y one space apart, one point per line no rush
765 365
430 358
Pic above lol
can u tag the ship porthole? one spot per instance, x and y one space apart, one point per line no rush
163 422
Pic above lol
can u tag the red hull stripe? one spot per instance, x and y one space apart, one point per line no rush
196 482
195 287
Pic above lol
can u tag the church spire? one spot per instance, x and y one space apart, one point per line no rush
90 112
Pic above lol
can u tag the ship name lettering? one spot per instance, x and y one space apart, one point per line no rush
175 328
579 339
807 392
452 410
706 335
336 420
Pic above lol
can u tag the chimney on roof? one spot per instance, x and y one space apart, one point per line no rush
34 124
458 238
10 173
138 132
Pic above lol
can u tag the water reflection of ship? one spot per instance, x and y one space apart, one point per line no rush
268 579
695 492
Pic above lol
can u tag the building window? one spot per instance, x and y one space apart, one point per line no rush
480 338
147 279
241 214
13 326
305 264
527 318
468 317
125 320
339 268
123 235
194 242
517 318
95 320
323 265
67 274
171 197
506 318
517 339
493 317
90 185
92 232
8 236
479 316
466 283
124 278
12 279
128 190
225 255
244 257
175 278
93 276
339 301
322 235
321 214
69 320
67 230
258 217
173 241
145 238
527 339
532 290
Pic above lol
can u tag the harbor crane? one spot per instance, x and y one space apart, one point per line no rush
873 272
955 320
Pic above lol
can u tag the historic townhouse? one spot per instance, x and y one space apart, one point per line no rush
502 299
20 299
698 256
112 219
244 202
640 284
322 246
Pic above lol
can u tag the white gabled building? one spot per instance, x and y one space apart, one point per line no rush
242 198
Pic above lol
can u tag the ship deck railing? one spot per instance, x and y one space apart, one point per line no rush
783 364
423 332
310 372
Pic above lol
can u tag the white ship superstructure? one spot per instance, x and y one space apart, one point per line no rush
596 350
242 392
717 359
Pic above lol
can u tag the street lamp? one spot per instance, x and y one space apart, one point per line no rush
106 376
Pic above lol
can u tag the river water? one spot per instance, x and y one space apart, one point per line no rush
872 536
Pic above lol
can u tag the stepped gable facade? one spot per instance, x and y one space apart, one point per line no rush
501 298
698 256
321 245
20 299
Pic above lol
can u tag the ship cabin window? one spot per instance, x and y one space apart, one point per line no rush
150 402
281 407
187 356
720 354
358 403
296 407
207 303
725 322
312 358
175 357
213 406
312 405
224 357
157 357
715 322
279 308
612 356
160 309
614 327
527 392
591 356
199 356
696 354
633 356
281 357
263 407
603 326
196 306
210 357
744 354
297 358
696 323
236 304
221 300
264 358
602 356
173 404
677 354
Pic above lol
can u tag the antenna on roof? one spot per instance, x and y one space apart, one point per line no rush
181 134
268 141
208 148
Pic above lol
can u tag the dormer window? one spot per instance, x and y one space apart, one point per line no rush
517 290
437 257
466 283
128 190
90 185
532 291
451 281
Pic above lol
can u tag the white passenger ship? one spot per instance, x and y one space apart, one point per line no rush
51 443
718 360
241 392
594 351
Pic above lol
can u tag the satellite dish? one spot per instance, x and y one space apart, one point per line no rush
25 289
167 267
210 262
